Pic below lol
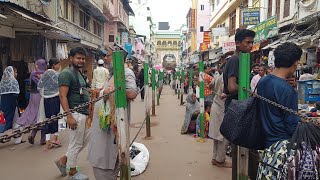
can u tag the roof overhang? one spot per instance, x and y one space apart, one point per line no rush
94 10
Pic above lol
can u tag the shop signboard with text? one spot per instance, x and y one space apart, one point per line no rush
228 46
251 16
266 29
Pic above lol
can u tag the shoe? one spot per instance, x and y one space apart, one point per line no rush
78 176
62 168
31 139
225 164
213 162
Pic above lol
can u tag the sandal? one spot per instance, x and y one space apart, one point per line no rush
31 139
56 143
21 142
48 148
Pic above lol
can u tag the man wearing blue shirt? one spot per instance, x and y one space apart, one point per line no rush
278 124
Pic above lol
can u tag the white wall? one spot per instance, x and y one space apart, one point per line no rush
203 19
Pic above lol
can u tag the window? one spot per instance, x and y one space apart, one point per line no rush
97 28
212 5
72 11
66 9
278 9
84 20
159 43
232 23
256 3
286 10
201 28
202 7
269 8
164 43
111 38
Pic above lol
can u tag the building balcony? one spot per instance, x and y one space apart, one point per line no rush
223 10
165 47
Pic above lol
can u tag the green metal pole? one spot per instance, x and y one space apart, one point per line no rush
178 79
190 79
153 81
121 115
244 83
146 98
201 69
158 88
182 86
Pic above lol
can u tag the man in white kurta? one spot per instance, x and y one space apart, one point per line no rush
100 76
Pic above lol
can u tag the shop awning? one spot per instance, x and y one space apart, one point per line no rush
59 35
273 45
29 22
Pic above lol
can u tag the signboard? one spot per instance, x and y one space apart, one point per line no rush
266 29
221 31
203 47
206 37
124 38
228 46
193 18
251 16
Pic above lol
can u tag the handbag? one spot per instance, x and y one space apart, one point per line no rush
241 125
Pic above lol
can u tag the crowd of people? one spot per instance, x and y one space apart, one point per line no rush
54 91
221 87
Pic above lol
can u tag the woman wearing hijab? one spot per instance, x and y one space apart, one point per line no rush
192 112
49 89
30 115
9 90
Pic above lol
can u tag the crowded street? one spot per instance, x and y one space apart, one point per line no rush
160 89
173 156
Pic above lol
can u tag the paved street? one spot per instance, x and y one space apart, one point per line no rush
172 156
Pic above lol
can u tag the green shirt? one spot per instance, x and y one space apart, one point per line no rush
68 78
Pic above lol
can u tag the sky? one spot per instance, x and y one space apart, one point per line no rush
172 11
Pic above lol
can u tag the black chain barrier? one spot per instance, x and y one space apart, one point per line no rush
18 132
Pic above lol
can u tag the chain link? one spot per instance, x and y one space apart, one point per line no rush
303 117
16 133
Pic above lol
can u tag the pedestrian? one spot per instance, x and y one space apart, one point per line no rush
30 115
278 124
100 76
244 42
207 79
220 143
72 93
9 91
207 109
141 83
307 74
254 71
192 112
256 78
49 89
103 149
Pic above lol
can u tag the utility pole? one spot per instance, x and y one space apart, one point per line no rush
182 86
153 81
178 79
121 115
201 123
190 79
244 82
146 98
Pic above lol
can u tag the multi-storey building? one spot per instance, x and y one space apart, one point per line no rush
117 26
168 48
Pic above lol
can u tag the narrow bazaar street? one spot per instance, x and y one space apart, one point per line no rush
172 156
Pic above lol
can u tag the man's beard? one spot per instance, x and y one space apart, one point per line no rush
110 68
